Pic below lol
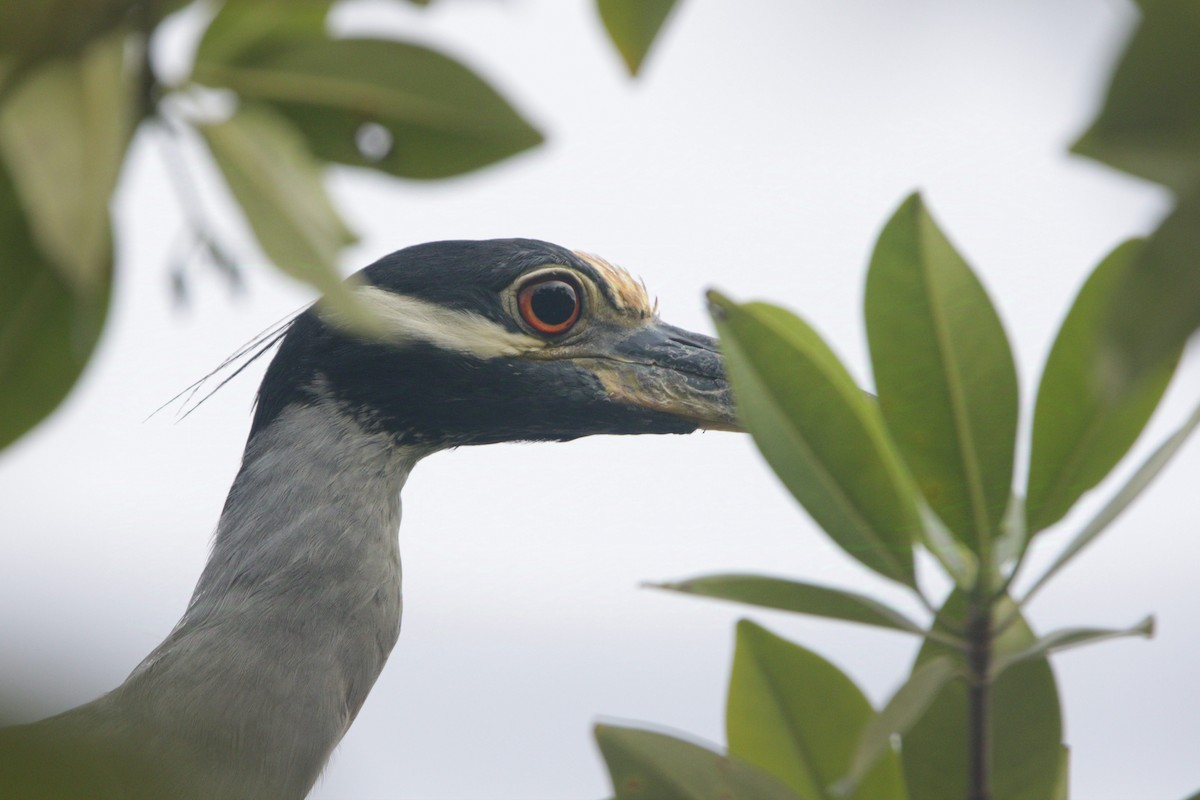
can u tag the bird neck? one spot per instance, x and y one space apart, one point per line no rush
294 614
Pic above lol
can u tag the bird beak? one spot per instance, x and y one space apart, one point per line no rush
666 369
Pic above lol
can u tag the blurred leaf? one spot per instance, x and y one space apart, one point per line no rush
944 372
958 561
1144 476
1081 429
1062 790
633 25
246 29
645 765
66 758
278 185
51 28
801 598
1069 637
396 107
820 433
31 33
1159 301
1013 539
48 328
906 707
63 134
1150 123
1026 723
796 716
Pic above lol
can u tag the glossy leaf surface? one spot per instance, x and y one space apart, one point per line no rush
633 25
820 433
798 597
944 373
645 765
1081 428
1026 723
793 714
400 108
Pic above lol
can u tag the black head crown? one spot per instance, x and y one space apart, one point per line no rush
500 340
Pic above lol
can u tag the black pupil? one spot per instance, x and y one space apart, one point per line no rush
553 302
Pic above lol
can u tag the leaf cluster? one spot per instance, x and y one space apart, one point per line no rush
928 462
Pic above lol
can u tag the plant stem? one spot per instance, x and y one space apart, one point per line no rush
979 662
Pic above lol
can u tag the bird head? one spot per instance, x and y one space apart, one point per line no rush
501 340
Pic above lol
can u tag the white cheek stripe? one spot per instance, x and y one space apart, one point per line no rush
409 319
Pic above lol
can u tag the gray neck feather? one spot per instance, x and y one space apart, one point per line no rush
291 621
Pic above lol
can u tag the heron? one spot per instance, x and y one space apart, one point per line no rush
299 603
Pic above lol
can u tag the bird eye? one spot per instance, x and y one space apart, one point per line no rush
550 306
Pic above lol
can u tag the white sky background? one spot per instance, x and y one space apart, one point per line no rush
761 152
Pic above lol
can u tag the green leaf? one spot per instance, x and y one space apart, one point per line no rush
33 33
944 372
1142 478
906 707
1069 637
63 135
1026 722
1150 123
278 185
958 561
391 106
796 716
1081 429
645 765
245 29
48 327
1013 539
1062 791
1159 301
633 25
820 434
801 598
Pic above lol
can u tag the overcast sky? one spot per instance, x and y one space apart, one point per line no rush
761 151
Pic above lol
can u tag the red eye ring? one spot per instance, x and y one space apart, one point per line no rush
550 305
